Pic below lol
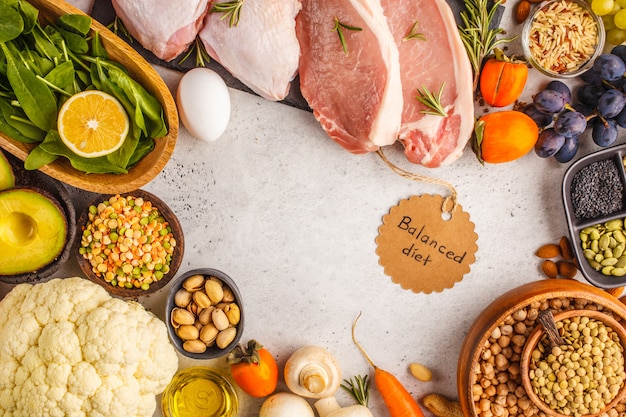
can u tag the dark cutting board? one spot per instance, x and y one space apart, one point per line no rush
104 13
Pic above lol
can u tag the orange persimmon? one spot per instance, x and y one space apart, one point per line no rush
254 369
504 136
502 79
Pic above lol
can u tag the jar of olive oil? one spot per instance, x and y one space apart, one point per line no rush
199 391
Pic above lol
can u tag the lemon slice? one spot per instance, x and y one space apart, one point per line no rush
92 123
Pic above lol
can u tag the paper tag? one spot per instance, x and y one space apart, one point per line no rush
423 248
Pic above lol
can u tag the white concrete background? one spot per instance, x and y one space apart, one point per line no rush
292 217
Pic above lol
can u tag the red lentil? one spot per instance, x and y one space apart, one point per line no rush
127 242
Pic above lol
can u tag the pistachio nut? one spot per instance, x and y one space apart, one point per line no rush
208 334
201 299
214 291
219 319
188 332
182 317
194 346
233 313
182 298
194 283
225 337
204 316
229 296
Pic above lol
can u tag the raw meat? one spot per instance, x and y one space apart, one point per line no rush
261 50
356 96
164 27
432 140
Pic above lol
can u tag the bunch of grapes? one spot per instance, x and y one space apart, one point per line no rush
613 15
601 106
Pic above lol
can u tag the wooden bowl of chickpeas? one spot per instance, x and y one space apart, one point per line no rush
131 244
489 373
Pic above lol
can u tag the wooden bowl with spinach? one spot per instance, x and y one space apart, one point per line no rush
68 52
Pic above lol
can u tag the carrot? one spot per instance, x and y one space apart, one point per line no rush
398 400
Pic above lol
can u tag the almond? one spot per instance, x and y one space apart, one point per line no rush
566 248
566 269
522 10
615 292
548 251
549 268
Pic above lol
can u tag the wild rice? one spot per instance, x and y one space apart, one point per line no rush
563 36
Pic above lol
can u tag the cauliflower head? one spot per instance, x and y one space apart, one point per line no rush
67 348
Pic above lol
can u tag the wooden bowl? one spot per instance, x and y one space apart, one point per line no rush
503 308
536 336
177 255
152 164
56 190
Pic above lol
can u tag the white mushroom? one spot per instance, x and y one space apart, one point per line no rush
312 372
328 407
285 404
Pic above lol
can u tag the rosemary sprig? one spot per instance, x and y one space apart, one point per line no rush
478 37
338 28
414 34
117 26
431 101
231 10
202 56
358 389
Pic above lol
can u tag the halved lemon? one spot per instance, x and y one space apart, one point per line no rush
92 123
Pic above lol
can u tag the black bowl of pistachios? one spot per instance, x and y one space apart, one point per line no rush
593 198
204 313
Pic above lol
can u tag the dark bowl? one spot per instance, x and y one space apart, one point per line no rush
213 351
176 259
57 191
578 219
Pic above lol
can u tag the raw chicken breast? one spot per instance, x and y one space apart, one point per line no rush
164 27
85 6
356 96
432 140
261 50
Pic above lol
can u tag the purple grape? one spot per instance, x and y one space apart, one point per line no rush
568 150
620 51
562 88
570 123
604 132
610 67
549 101
540 118
591 77
590 93
583 108
548 143
620 119
610 103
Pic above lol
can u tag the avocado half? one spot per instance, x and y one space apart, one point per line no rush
33 230
7 176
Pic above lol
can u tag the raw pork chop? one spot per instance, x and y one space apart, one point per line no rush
261 50
357 97
164 27
432 140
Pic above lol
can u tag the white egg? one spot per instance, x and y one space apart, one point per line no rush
203 103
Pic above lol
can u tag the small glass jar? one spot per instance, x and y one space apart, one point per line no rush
560 19
199 391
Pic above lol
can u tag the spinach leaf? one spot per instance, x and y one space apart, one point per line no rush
100 165
6 124
36 99
11 23
38 157
97 48
30 14
139 96
76 43
76 23
62 75
44 43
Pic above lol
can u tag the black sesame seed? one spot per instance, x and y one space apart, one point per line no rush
597 190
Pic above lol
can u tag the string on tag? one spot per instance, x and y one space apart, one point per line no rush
449 203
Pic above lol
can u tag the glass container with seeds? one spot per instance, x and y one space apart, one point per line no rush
562 38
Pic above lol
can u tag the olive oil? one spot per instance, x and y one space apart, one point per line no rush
199 392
